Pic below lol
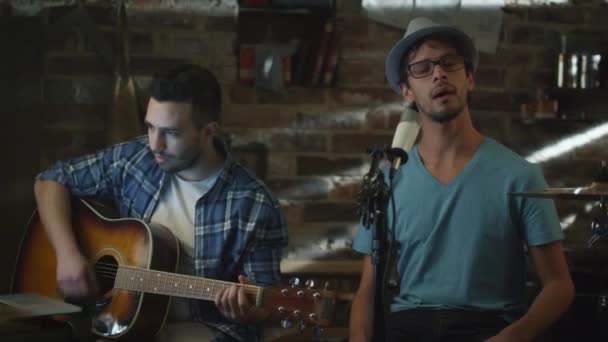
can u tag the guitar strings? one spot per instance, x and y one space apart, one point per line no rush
110 270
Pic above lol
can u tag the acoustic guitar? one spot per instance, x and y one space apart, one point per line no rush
134 264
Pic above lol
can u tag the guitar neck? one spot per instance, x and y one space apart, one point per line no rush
178 285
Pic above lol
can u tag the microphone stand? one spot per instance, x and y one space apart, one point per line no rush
374 199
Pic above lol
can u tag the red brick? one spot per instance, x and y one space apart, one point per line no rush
76 66
348 7
581 169
281 166
361 72
347 190
71 142
161 19
547 58
330 212
364 96
356 26
394 117
239 116
486 100
376 119
556 14
227 24
506 57
536 35
323 166
55 138
383 118
141 43
359 142
340 118
299 189
596 150
147 66
82 91
295 141
489 77
188 46
242 94
292 213
529 79
597 17
109 40
281 140
358 47
253 156
294 96
55 114
103 15
64 41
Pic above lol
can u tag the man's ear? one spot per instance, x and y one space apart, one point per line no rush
407 93
471 81
212 129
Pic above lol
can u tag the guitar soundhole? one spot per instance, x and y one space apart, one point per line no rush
105 271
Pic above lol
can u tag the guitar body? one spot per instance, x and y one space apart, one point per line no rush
107 244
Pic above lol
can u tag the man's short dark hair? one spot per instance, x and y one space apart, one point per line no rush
405 58
192 84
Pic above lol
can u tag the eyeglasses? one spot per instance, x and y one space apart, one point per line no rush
425 67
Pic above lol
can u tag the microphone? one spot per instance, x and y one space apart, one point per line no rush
405 137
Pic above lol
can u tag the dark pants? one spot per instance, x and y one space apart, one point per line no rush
443 326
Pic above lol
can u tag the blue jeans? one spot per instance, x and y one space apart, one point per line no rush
443 326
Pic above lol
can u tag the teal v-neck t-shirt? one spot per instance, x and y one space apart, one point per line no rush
462 242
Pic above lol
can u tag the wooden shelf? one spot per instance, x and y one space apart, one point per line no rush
330 267
556 120
307 26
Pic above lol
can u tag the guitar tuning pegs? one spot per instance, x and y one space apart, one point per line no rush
286 324
295 281
318 333
310 283
297 313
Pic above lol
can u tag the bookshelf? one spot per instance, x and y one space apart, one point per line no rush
312 23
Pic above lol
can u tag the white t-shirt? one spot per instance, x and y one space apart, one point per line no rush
176 210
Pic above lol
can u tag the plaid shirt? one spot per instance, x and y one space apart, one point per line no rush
239 227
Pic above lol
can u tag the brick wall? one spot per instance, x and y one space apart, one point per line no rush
309 145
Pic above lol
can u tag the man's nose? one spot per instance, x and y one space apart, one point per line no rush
157 143
439 73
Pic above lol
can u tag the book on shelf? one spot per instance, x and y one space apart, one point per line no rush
247 64
319 58
331 60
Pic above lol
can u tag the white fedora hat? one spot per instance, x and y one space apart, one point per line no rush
420 28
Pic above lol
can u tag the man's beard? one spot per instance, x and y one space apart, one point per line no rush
181 166
443 117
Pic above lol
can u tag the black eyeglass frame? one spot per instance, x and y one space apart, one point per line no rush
441 61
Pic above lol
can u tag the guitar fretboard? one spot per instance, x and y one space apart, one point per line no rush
178 285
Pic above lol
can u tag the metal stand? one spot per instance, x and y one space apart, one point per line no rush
374 199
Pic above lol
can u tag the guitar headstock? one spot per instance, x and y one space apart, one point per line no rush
295 304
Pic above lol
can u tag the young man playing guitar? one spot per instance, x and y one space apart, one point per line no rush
229 226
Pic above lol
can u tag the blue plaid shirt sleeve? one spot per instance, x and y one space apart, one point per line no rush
262 262
89 175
